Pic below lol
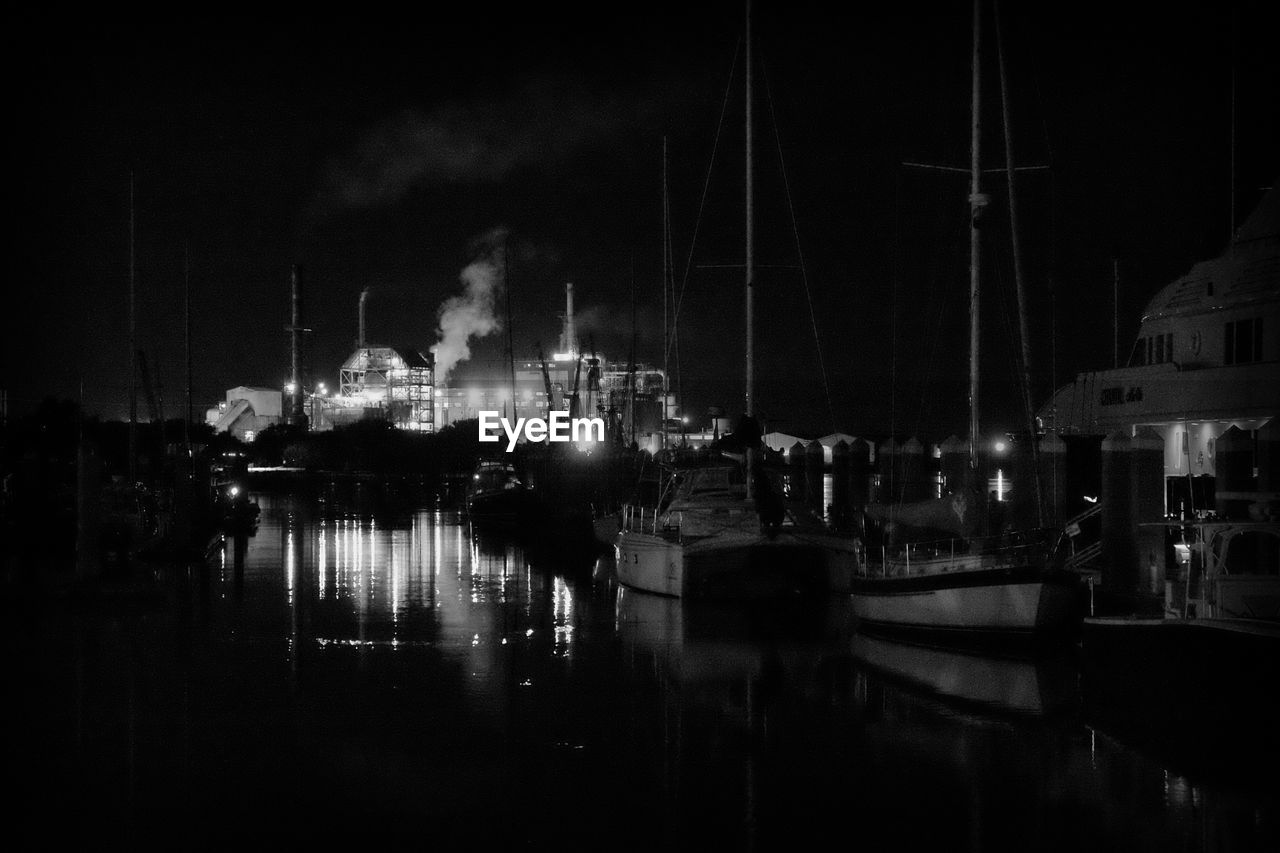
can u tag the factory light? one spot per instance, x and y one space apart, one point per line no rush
290 387
1000 446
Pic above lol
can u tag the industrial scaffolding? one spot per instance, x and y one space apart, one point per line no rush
397 381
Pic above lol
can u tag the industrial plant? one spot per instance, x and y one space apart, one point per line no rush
397 384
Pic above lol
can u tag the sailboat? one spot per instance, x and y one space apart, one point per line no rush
962 583
721 528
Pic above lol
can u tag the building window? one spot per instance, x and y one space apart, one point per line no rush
1159 349
1243 341
1138 358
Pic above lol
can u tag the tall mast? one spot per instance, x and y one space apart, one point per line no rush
666 277
511 346
976 202
133 347
1023 332
295 345
186 329
750 265
635 338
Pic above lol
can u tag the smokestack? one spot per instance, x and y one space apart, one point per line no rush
295 346
364 294
570 343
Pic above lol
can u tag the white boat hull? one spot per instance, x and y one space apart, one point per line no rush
735 564
996 601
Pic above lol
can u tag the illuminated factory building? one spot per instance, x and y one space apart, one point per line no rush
603 389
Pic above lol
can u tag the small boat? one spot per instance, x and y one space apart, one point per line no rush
1195 686
967 583
1222 603
496 495
710 541
969 586
723 530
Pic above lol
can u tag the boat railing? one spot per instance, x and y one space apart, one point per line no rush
651 520
954 554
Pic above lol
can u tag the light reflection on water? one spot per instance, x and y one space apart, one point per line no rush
407 667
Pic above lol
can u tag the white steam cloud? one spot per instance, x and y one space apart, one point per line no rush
472 313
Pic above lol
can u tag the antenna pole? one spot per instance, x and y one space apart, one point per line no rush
666 276
1115 312
1231 238
750 247
133 345
186 288
976 203
511 347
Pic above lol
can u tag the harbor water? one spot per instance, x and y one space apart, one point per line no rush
386 673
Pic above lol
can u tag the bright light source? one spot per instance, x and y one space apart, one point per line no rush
233 491
320 387
685 419
1000 446
289 387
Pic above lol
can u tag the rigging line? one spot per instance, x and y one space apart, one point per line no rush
1051 264
673 339
795 229
1013 354
929 359
706 186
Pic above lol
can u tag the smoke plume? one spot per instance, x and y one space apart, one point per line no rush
541 123
472 313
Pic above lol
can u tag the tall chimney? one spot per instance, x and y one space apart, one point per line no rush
570 334
295 347
364 294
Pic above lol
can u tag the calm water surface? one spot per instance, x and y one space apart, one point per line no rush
392 675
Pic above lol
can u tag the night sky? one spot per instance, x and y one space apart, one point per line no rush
373 149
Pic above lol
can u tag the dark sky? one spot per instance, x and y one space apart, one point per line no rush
372 150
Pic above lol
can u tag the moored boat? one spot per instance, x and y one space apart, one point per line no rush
1005 585
497 495
1010 590
710 541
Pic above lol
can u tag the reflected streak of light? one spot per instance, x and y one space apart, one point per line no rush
323 558
361 584
344 574
373 557
439 546
358 547
222 562
397 575
562 611
288 565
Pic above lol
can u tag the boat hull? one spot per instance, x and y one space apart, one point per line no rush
505 507
996 601
735 565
